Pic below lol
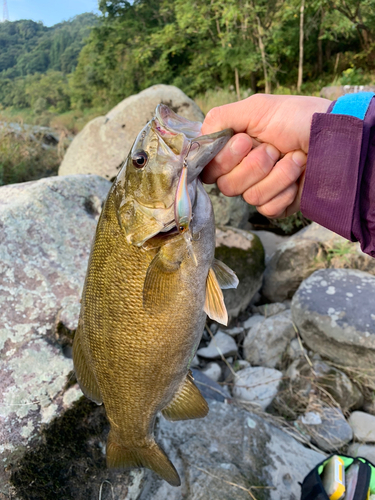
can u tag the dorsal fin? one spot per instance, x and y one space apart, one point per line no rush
188 403
214 305
224 274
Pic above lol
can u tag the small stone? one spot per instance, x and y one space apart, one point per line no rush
362 450
213 371
221 344
252 321
195 362
257 384
271 309
233 332
329 432
266 342
339 385
208 387
363 425
240 364
294 350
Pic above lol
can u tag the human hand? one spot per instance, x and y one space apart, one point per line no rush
266 127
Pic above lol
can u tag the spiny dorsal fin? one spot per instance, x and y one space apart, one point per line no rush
161 282
214 305
188 403
84 374
152 457
224 274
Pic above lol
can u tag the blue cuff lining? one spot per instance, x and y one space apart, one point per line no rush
353 104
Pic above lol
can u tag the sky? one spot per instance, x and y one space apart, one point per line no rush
50 12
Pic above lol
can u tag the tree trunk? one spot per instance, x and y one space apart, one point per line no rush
237 79
264 61
320 44
300 63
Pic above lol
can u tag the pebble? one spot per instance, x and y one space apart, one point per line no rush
233 332
363 425
362 450
221 344
257 384
327 428
213 371
271 309
252 321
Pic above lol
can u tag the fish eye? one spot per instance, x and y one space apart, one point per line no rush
140 159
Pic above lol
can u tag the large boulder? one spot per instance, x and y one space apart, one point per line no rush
312 248
103 145
228 452
46 231
229 211
333 310
243 252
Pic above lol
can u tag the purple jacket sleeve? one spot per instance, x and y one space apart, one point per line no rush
339 189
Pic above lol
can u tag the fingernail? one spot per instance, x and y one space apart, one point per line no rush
272 152
299 158
241 145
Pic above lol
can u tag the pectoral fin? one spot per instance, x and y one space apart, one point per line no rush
161 282
188 403
84 374
214 305
224 274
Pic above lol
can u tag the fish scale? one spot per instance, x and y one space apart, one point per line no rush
145 298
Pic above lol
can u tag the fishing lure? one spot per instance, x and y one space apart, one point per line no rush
182 206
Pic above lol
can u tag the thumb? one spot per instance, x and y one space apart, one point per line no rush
234 115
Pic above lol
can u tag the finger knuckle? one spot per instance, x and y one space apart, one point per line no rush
213 117
253 196
227 186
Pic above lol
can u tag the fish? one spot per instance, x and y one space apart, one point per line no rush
151 281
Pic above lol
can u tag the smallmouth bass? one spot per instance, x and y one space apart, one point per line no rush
151 279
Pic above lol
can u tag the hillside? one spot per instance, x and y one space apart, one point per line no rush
27 47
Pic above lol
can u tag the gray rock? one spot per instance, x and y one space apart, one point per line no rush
221 344
333 312
266 342
212 371
257 384
363 425
209 388
253 320
104 143
242 252
362 450
333 92
294 350
339 385
46 232
240 364
312 248
229 211
327 428
233 446
271 309
270 242
234 332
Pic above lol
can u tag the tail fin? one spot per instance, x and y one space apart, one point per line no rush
152 457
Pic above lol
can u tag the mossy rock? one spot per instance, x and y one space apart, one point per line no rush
243 252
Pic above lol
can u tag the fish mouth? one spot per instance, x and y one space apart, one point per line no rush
162 237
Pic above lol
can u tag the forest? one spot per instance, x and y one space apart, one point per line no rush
197 45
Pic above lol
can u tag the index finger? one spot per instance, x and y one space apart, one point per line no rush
232 115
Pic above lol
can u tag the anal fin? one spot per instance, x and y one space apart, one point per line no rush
84 374
224 274
187 404
152 457
214 305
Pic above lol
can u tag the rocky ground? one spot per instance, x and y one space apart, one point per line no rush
290 380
